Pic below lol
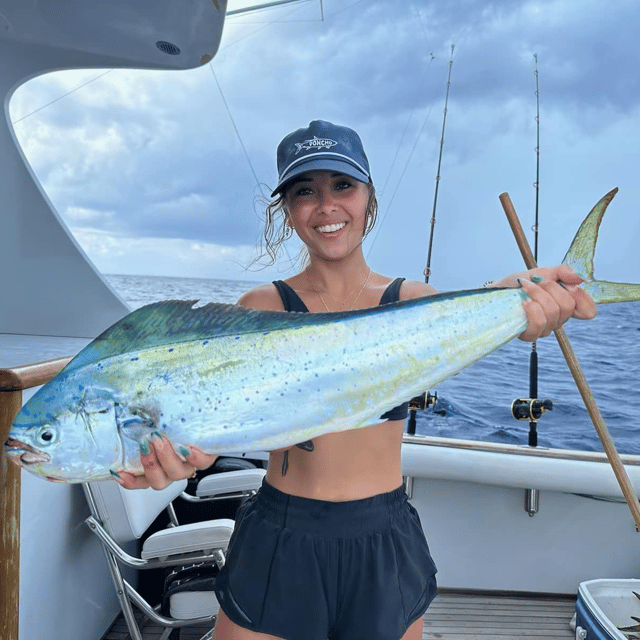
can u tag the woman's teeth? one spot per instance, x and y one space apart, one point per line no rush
331 227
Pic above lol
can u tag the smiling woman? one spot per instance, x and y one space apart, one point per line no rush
335 501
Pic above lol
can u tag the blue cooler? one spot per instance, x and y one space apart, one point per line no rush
605 605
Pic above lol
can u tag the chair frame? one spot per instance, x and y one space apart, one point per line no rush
116 555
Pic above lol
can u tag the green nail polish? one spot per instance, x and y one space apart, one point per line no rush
184 451
156 434
143 445
536 278
115 474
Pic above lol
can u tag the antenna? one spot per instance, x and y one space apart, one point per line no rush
427 271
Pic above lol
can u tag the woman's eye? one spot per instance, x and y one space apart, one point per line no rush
342 185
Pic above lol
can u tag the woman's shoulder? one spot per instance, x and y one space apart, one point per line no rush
415 289
264 296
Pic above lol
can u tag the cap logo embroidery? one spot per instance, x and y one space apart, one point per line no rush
316 143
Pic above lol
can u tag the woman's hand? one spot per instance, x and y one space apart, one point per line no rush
551 304
162 465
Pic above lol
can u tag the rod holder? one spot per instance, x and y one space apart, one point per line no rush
531 501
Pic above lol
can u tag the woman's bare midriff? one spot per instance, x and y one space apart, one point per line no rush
349 465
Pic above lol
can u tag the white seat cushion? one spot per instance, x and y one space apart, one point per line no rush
230 482
187 538
193 604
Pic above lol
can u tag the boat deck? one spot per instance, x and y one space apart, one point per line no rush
453 615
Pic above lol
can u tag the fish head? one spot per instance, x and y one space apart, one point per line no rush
66 437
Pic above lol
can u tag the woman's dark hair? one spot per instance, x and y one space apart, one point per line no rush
277 231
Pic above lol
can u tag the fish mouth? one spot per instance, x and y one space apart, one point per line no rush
23 454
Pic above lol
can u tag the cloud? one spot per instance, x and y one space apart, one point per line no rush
164 256
177 157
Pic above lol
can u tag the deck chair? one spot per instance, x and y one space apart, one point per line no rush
120 519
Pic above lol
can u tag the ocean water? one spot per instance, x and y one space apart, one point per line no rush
476 404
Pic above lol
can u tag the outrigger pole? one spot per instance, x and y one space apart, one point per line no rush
578 375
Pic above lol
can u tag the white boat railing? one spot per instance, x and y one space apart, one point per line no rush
13 381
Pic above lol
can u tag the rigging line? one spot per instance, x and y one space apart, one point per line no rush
404 132
44 106
462 40
427 270
233 122
395 157
264 26
282 21
260 7
424 29
406 166
353 4
406 127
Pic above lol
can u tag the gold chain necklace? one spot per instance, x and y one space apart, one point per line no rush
353 304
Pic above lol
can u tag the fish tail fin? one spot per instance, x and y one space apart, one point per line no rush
580 259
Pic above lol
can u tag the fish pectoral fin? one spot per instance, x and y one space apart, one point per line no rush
134 424
137 428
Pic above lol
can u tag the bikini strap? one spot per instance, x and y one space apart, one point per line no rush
392 292
290 299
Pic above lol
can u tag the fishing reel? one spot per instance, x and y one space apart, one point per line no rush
530 409
419 403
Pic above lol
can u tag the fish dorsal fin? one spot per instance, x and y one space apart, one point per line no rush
175 321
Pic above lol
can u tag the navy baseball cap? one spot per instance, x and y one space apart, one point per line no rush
322 146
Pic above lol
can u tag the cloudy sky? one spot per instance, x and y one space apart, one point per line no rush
163 173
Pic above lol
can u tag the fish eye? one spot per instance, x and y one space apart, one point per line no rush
46 436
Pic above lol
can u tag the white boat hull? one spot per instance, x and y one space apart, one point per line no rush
470 497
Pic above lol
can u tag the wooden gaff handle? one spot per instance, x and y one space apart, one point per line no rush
578 375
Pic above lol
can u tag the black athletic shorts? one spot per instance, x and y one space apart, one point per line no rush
304 569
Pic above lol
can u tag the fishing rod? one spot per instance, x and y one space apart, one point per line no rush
419 403
532 408
533 358
427 271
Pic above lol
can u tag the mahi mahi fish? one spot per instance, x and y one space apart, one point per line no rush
229 379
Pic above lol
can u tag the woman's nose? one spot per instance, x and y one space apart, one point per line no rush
326 199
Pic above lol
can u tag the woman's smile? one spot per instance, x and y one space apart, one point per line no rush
331 228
